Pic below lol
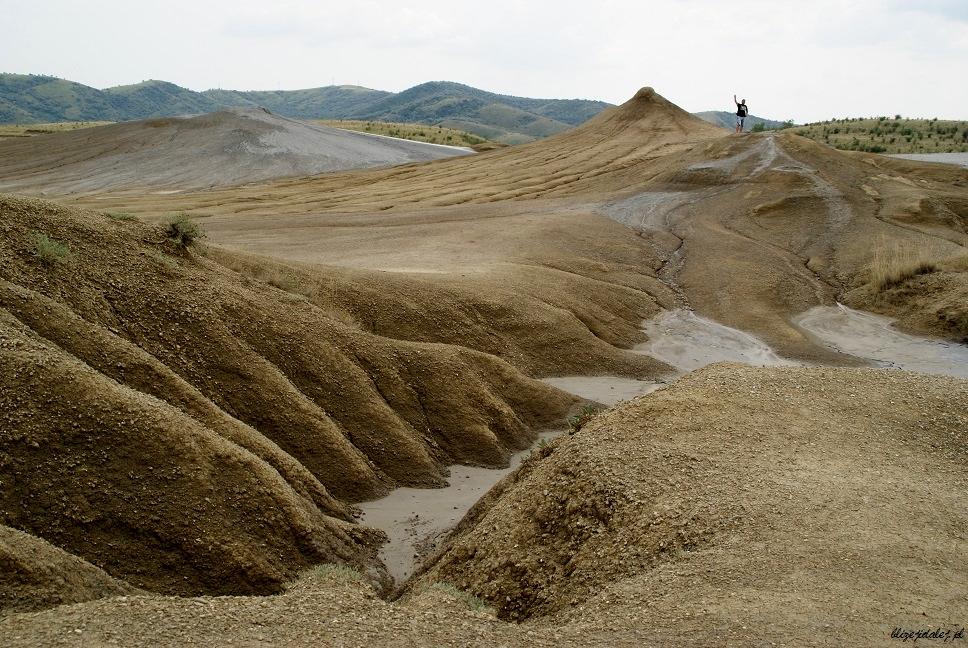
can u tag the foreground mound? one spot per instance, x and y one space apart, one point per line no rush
218 149
35 575
189 429
738 506
737 496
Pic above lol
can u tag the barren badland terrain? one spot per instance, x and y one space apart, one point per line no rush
193 429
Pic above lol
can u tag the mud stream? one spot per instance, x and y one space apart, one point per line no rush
416 520
872 337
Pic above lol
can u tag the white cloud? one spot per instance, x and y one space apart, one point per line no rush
789 59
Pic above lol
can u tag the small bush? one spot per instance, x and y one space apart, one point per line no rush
587 413
49 251
183 230
122 216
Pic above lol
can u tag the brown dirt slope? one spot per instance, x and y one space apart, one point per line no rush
213 427
223 148
550 292
35 575
738 506
749 230
734 496
756 229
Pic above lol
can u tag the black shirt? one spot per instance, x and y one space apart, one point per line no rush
741 110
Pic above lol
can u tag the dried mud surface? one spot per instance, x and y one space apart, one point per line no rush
172 154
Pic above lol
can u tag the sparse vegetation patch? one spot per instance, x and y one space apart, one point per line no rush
163 259
338 572
415 132
587 413
183 230
29 130
49 251
472 602
883 135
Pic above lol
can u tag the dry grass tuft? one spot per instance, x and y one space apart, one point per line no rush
956 264
472 602
121 216
338 572
892 266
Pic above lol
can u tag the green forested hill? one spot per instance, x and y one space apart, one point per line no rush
158 99
32 99
330 102
35 99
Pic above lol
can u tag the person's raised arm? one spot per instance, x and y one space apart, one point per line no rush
734 100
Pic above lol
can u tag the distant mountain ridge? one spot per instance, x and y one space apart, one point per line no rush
33 98
503 118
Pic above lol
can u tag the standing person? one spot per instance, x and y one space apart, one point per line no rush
741 112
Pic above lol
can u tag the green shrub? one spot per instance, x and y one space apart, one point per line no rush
587 413
122 216
49 251
183 230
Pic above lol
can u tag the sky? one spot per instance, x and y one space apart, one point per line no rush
804 61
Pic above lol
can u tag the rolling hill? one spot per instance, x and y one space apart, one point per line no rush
507 119
35 99
331 102
222 148
500 118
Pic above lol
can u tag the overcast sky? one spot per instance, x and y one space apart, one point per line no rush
790 60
